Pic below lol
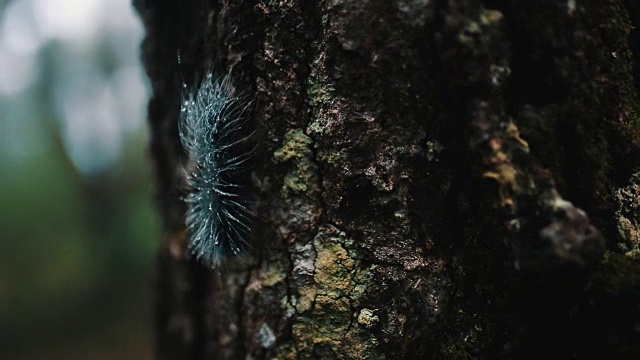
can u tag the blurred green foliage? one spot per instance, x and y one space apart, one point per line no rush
78 247
77 257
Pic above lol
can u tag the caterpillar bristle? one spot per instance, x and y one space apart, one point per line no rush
218 216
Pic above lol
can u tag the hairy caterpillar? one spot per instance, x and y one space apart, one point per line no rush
218 216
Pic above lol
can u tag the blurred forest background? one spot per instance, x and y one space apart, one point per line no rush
77 218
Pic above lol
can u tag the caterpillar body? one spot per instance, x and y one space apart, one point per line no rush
218 216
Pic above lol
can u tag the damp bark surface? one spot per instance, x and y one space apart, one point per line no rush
432 179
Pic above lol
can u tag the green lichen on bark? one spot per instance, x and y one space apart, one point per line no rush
325 327
296 146
273 275
319 93
628 217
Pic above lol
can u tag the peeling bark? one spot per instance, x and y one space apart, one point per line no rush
434 179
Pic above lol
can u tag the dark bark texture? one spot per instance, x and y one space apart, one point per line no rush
446 179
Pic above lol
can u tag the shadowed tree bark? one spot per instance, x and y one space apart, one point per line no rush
434 179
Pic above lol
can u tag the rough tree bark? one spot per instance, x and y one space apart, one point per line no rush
434 179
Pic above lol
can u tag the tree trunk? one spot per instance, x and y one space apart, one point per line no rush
433 179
